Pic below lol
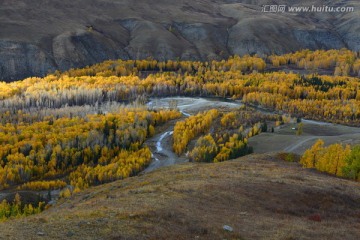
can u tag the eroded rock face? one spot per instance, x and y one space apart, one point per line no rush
41 36
19 60
81 48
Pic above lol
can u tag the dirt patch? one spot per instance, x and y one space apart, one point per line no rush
194 105
285 139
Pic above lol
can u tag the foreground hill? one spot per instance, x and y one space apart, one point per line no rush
259 196
41 36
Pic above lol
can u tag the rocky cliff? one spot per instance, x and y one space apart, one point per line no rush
40 36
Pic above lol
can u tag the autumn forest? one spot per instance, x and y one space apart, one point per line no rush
84 127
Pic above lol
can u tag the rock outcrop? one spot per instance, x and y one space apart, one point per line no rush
41 36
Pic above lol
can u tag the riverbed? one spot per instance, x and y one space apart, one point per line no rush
284 138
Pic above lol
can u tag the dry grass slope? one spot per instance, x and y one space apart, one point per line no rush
260 196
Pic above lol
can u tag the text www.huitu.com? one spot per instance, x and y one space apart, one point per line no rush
306 9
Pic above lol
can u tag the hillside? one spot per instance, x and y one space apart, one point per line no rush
42 36
259 196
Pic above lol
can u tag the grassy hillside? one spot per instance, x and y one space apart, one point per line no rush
259 196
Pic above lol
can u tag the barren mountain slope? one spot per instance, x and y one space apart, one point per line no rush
259 196
42 35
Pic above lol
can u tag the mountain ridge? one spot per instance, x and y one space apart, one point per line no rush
44 36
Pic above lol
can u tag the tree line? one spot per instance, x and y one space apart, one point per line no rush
17 209
34 154
337 159
329 98
341 62
220 135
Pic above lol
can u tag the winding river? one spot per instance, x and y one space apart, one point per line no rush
284 138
